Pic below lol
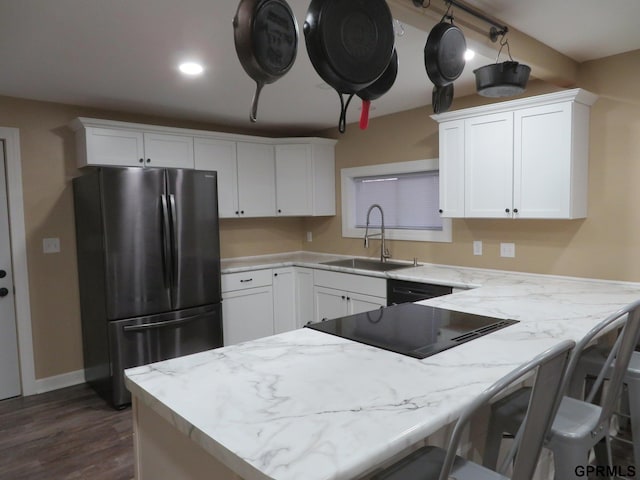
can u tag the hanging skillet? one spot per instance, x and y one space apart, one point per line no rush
350 43
444 53
378 88
266 38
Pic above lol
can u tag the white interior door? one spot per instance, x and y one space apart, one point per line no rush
9 366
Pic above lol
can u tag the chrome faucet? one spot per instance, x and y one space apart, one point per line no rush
384 253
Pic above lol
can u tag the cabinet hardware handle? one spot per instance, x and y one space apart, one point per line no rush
275 274
440 211
4 292
246 280
241 212
3 273
515 210
348 299
148 160
141 160
506 210
324 319
237 212
343 297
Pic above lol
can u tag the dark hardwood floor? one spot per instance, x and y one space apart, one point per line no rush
66 434
73 434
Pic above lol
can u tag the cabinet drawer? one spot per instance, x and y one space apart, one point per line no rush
351 283
244 280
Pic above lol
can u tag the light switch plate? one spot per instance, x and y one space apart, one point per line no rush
508 250
309 237
477 247
51 245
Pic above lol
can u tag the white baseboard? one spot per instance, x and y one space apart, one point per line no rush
59 381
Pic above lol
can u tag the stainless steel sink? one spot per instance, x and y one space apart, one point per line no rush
365 264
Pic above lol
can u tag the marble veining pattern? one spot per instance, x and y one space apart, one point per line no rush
306 405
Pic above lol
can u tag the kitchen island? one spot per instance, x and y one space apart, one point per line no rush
307 405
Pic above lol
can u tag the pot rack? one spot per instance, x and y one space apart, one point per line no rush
497 29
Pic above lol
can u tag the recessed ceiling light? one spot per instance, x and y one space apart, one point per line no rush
191 68
469 54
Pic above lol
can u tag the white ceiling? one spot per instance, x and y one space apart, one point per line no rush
123 55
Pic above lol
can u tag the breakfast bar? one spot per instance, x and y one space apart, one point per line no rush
309 405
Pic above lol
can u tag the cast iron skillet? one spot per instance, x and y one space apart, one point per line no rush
266 38
350 43
378 88
441 98
444 53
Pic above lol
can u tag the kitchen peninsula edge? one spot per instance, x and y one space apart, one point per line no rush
303 404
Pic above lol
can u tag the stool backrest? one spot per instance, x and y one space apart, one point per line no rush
550 366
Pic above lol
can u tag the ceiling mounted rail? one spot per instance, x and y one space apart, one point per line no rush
497 29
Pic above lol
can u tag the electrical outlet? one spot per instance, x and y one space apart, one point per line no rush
51 245
309 237
508 250
477 247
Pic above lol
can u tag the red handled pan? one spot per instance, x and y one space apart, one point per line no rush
378 88
350 43
266 39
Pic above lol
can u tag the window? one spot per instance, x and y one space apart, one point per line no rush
408 193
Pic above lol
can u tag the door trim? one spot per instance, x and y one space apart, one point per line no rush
11 137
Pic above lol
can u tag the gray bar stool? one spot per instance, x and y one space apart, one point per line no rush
431 463
579 425
592 364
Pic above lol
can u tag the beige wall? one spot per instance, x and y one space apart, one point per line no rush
48 165
604 245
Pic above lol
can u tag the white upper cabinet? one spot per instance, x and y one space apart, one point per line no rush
305 179
525 158
170 151
256 180
294 179
110 146
220 155
119 146
488 154
257 176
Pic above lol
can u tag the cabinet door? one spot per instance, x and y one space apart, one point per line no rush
329 303
285 316
220 155
358 303
256 180
112 146
294 180
451 166
489 166
247 315
542 162
304 295
166 150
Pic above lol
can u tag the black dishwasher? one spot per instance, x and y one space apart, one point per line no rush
401 291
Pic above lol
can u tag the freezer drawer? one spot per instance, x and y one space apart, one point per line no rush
143 340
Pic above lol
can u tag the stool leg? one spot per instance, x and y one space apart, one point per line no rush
566 458
602 450
492 445
633 387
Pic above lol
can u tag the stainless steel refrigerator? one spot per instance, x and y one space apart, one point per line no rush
149 269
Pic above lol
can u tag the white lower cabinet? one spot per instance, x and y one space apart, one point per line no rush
247 306
260 303
339 294
292 298
247 315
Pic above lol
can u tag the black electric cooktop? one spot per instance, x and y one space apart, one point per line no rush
411 329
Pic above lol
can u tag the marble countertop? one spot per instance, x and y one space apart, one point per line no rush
304 404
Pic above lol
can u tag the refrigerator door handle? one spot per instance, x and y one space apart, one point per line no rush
166 268
174 236
166 323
